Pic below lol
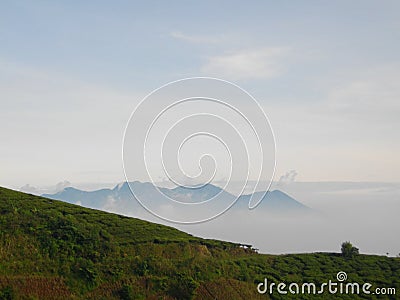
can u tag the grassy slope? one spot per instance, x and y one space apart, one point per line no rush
51 249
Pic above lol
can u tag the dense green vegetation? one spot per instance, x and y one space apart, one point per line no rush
50 249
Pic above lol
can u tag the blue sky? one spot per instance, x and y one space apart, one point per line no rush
326 73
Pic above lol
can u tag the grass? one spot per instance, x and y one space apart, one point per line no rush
52 250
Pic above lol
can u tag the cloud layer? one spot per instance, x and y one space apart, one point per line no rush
261 63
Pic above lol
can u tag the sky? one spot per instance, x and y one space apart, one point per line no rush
325 73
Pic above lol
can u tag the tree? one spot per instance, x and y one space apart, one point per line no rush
348 250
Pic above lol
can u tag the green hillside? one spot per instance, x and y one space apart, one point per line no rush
51 250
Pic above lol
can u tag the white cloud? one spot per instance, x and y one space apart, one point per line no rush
62 185
287 178
197 39
27 188
248 64
36 89
111 205
373 91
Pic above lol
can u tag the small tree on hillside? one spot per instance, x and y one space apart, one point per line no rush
348 250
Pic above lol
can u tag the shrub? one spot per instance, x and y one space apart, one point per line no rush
126 292
183 287
7 293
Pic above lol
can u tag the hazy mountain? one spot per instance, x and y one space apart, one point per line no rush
121 197
274 201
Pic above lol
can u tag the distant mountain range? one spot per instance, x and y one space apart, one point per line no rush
121 199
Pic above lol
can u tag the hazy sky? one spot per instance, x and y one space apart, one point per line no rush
326 73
